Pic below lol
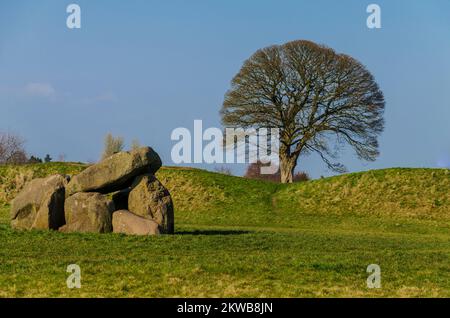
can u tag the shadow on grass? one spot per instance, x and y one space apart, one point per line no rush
212 232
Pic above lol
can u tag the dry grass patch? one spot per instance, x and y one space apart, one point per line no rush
404 193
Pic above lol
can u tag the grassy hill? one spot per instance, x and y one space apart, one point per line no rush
238 237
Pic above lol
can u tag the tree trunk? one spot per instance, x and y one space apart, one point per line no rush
287 166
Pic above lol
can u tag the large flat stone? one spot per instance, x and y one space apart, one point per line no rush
115 172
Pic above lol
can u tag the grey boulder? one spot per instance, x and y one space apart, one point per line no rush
88 212
149 199
128 223
40 205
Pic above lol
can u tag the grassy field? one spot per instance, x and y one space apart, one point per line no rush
245 238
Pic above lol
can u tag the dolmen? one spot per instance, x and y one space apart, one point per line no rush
120 194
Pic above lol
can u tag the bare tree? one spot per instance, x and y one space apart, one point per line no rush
12 149
135 144
320 100
112 145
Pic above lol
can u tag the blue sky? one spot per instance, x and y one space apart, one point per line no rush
139 69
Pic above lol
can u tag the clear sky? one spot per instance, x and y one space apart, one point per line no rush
139 69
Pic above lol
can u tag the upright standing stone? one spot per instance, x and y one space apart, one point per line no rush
40 205
150 199
88 212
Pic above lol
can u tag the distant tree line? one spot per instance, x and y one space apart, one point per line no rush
12 149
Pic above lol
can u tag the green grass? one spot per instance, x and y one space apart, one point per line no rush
245 238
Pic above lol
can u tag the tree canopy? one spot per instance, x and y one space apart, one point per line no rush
319 99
